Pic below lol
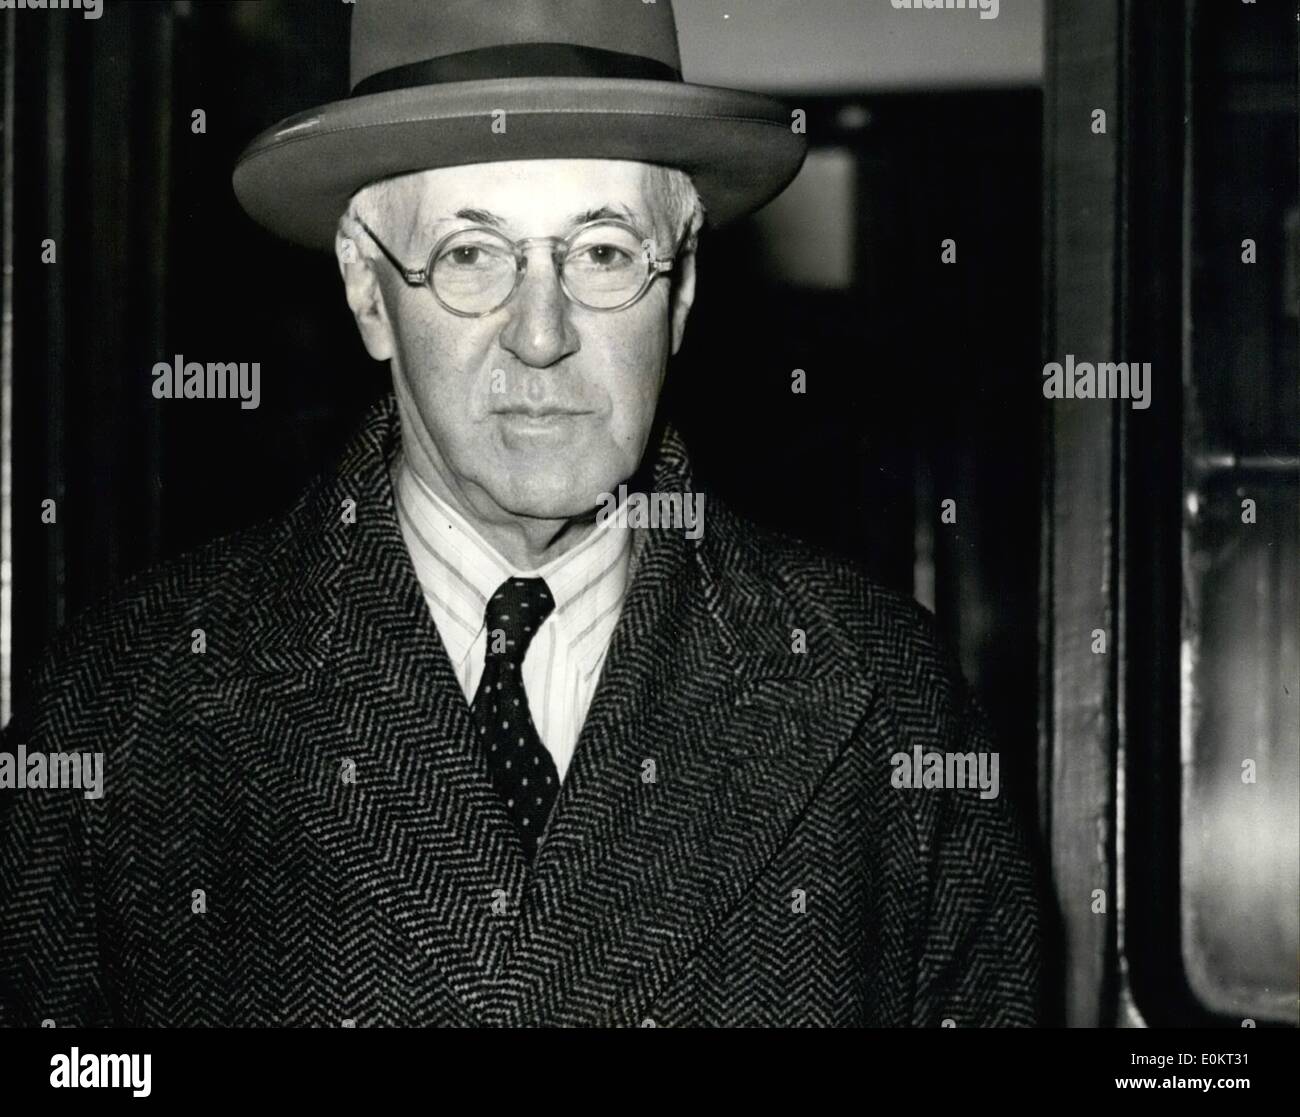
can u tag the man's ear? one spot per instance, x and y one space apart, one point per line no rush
364 294
683 295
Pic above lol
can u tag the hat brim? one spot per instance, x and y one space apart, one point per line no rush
739 148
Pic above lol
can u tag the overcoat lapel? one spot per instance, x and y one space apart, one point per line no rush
702 691
344 671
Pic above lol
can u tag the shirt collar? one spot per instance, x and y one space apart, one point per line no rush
459 570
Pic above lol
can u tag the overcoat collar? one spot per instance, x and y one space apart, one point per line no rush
708 733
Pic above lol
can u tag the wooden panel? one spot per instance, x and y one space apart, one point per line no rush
1082 66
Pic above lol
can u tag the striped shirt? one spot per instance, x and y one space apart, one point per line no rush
458 570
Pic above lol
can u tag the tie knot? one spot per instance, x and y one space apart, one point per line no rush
514 614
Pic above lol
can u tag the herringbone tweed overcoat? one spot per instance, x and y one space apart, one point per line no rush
768 873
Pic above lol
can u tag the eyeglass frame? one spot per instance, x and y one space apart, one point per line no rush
423 277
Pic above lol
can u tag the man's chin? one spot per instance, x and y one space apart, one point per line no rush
558 502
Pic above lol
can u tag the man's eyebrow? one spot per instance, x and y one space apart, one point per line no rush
492 220
480 217
603 213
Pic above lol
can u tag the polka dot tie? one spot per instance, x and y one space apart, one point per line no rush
522 770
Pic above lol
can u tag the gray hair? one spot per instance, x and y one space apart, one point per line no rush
676 207
674 196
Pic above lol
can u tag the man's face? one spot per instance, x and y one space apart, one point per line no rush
539 407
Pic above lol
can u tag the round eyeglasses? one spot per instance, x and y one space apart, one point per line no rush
603 265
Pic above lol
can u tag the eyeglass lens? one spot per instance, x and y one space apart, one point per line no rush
604 267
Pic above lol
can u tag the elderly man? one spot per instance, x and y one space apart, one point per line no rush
443 745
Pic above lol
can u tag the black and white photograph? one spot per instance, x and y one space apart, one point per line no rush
659 514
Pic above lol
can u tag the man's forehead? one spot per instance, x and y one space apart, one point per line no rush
529 194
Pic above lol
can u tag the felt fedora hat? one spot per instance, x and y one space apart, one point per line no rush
439 83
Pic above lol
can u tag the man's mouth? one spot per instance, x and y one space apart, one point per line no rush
539 421
542 412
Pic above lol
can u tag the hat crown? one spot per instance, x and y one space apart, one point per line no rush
389 34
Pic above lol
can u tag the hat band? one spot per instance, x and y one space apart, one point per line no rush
519 60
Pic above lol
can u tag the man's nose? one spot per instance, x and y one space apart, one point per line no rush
538 330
